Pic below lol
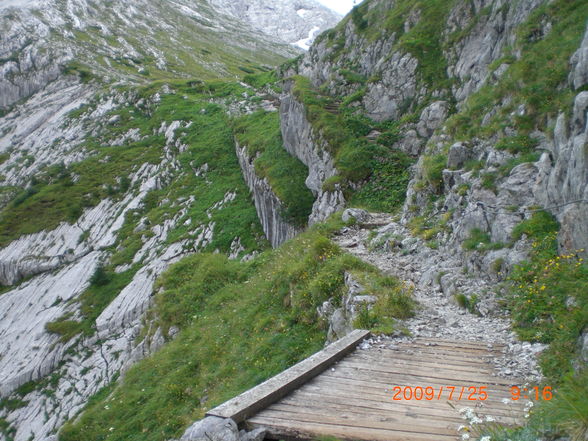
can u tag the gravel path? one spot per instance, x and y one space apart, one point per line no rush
429 272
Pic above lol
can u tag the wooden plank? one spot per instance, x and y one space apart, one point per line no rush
350 420
385 394
474 378
449 357
324 385
405 361
283 428
430 352
361 400
460 343
454 347
388 381
268 392
336 409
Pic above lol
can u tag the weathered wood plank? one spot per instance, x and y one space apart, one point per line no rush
347 389
432 363
353 420
283 428
428 356
361 401
477 379
330 404
434 352
460 343
377 420
456 347
268 392
384 394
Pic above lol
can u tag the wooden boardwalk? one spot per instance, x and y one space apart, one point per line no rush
353 398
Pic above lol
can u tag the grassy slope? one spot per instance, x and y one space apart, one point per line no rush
260 133
382 169
240 323
186 46
547 293
209 141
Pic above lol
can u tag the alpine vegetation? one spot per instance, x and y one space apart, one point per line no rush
195 195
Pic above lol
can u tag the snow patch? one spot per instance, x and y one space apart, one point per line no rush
18 4
306 42
303 12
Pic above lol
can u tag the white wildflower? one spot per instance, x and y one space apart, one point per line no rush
490 419
465 436
485 438
462 427
111 429
476 420
107 407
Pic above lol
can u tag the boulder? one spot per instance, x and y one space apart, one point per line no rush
432 117
458 155
212 428
360 216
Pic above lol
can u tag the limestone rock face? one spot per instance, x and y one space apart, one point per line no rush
360 216
267 204
296 22
458 155
564 180
341 319
301 141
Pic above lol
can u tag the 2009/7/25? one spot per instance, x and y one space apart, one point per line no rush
471 393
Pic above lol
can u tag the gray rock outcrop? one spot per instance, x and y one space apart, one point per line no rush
213 428
297 22
302 141
267 204
341 320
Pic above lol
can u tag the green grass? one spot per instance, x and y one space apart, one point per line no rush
105 285
260 133
381 168
480 241
240 323
433 167
538 79
386 189
53 197
539 225
517 144
548 303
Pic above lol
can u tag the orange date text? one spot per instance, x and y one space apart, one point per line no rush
429 393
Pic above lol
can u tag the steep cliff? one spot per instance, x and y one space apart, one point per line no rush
303 142
268 205
446 73
106 179
296 22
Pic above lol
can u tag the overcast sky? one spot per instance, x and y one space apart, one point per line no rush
341 6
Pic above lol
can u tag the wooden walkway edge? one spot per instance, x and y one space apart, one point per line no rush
258 398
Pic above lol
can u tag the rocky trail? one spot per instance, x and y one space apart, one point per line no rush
378 240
